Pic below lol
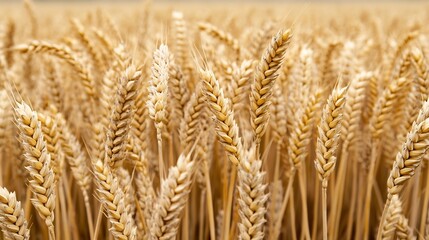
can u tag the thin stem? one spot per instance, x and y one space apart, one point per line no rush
51 230
170 152
292 215
274 192
66 226
325 211
305 231
422 228
337 204
28 203
285 199
415 195
70 206
353 201
88 214
258 149
202 219
160 159
185 223
358 231
370 183
98 223
209 201
228 210
316 209
58 214
1 170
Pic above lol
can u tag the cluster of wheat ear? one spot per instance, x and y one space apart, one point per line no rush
160 121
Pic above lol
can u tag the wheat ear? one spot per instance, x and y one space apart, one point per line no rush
396 223
143 181
382 111
172 199
252 198
226 127
408 158
240 85
158 92
403 231
304 85
121 116
191 122
64 53
89 44
392 217
351 122
227 131
53 81
51 135
421 66
38 162
13 222
77 160
108 86
125 183
223 36
261 88
261 37
327 144
181 42
299 141
179 91
111 197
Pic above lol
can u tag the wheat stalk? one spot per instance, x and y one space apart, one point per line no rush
327 144
351 122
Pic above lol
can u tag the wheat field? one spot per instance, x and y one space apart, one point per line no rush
151 120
